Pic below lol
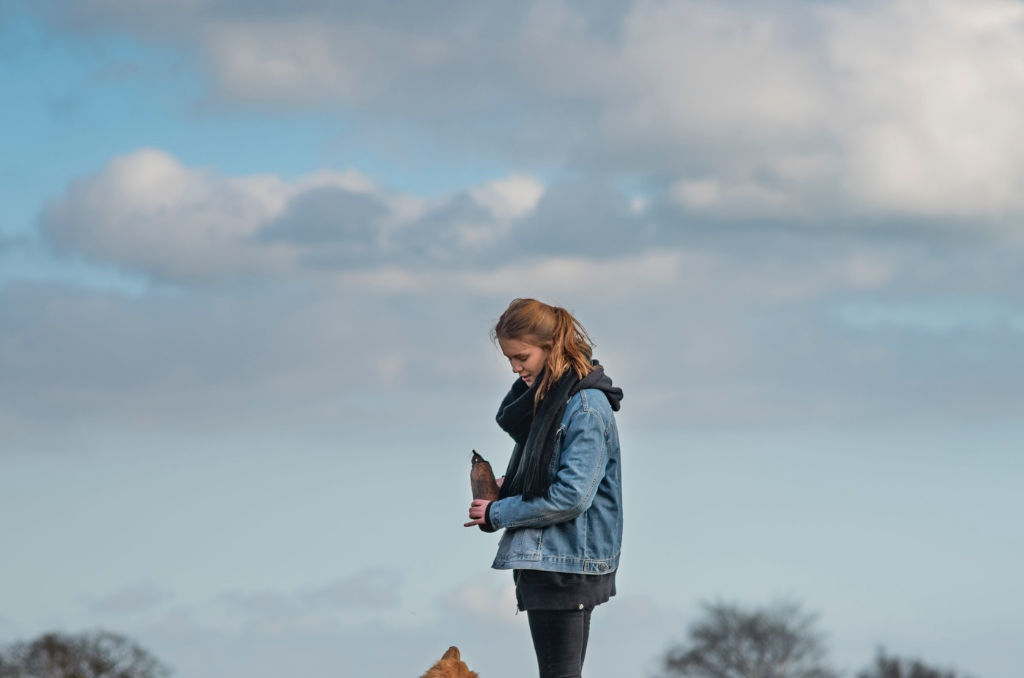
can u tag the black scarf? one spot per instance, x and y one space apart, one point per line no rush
534 432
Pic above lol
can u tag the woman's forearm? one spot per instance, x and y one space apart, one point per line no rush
581 467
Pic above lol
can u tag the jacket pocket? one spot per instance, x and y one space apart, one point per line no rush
527 543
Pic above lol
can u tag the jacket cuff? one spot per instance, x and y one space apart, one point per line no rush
488 521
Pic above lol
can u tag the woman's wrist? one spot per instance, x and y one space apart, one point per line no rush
488 527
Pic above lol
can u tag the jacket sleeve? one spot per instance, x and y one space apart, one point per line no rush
581 467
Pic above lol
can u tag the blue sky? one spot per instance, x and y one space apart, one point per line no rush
250 254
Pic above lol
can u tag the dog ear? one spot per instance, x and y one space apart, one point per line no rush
452 653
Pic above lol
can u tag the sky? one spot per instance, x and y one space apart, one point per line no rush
250 253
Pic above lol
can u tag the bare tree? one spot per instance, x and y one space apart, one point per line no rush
88 655
7 670
887 666
731 642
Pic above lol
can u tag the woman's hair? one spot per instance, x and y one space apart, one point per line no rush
555 330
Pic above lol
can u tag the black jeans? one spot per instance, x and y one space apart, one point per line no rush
560 640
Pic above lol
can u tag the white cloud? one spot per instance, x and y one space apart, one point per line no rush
351 180
147 211
577 274
931 105
509 198
908 107
735 199
696 193
485 598
544 275
726 73
729 336
308 61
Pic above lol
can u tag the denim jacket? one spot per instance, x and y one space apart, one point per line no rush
578 527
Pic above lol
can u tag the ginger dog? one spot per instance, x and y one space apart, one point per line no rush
450 666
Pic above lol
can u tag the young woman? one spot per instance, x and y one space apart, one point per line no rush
561 497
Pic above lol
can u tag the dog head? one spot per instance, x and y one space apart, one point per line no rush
450 666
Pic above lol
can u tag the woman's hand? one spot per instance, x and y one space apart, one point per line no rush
478 512
499 481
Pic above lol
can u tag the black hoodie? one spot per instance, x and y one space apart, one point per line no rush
602 382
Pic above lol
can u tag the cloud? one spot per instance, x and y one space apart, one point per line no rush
712 196
561 275
931 102
586 219
368 296
904 108
147 211
304 62
483 599
939 317
509 198
131 599
769 329
373 588
328 215
324 609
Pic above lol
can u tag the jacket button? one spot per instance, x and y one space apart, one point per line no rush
602 567
581 606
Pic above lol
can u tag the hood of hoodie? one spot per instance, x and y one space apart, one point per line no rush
602 382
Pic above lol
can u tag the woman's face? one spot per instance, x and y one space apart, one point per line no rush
527 360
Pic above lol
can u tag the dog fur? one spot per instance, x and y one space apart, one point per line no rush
450 666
